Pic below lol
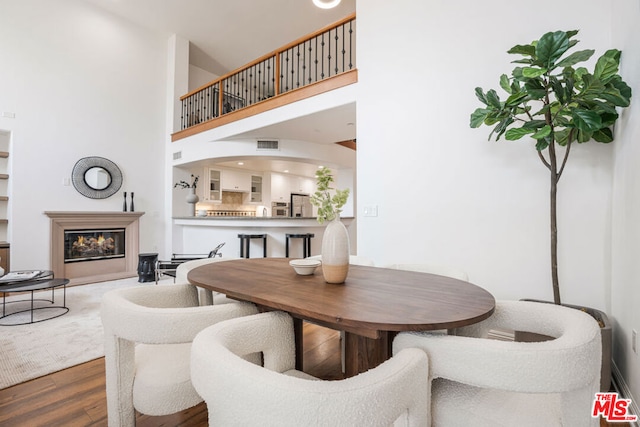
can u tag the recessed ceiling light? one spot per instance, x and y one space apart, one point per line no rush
286 171
326 4
240 163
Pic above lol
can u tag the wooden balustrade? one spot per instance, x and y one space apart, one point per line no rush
323 55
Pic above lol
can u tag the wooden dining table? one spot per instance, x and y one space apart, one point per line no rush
371 306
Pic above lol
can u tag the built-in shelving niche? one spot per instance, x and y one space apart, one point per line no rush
5 140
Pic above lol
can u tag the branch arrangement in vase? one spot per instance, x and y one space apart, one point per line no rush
329 206
185 184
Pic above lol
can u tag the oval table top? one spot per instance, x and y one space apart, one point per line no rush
371 300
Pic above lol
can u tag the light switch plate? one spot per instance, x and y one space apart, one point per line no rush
371 210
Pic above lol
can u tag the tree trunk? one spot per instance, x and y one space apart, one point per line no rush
554 223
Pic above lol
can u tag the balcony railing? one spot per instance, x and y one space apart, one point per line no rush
317 57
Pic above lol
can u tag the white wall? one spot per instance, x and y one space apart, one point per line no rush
625 292
81 83
199 77
445 194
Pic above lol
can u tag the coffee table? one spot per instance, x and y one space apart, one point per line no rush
42 281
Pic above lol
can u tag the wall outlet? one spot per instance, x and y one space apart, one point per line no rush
634 341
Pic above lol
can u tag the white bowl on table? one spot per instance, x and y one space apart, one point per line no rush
304 267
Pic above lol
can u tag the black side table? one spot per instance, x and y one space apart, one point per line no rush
147 267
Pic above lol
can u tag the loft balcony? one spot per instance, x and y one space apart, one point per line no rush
319 62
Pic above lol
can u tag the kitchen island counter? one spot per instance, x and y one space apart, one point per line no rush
195 234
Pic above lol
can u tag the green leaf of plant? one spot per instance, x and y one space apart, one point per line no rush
535 88
533 72
481 96
584 136
557 88
576 57
504 83
516 99
552 46
572 33
493 100
603 135
527 50
500 129
542 144
614 96
542 133
478 116
561 136
517 133
622 87
607 65
534 124
585 120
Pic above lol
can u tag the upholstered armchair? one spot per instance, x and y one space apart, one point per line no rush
148 333
487 382
206 296
240 393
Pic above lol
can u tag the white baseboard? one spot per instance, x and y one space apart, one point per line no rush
624 391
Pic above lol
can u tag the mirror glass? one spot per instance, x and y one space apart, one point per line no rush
97 178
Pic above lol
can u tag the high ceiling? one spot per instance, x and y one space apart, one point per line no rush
226 34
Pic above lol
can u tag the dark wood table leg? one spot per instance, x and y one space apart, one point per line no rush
297 333
362 353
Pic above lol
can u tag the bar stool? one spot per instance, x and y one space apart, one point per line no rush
306 243
245 244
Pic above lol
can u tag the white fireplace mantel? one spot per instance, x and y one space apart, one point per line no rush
97 270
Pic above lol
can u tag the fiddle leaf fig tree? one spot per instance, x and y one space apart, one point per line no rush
555 103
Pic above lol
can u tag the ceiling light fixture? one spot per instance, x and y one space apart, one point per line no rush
326 4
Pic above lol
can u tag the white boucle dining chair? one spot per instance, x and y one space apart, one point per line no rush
486 382
148 332
240 393
206 296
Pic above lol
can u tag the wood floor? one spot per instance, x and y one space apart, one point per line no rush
76 396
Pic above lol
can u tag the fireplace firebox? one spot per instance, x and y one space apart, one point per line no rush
90 245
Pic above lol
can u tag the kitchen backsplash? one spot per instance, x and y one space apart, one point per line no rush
231 201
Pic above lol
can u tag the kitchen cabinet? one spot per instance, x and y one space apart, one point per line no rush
283 185
301 185
280 188
256 189
236 181
212 188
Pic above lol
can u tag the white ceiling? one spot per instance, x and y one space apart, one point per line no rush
323 127
231 32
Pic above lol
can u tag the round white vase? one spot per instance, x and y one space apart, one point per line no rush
192 199
335 252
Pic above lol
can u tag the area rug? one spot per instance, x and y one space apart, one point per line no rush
37 349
